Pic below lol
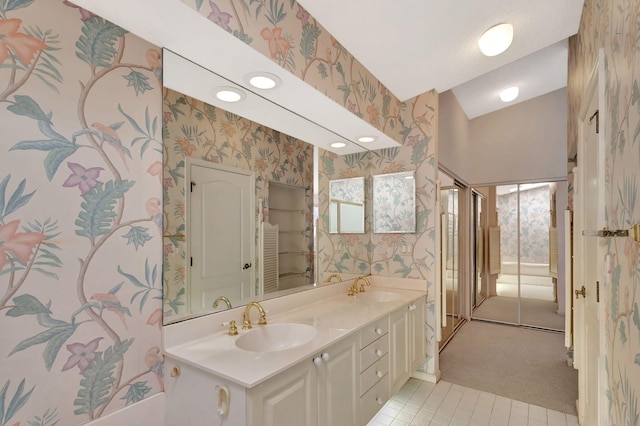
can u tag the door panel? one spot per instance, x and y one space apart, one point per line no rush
220 236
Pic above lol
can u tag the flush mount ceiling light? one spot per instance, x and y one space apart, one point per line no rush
338 145
366 139
229 94
263 80
509 94
496 39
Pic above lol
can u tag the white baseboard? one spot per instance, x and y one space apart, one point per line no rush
149 411
431 378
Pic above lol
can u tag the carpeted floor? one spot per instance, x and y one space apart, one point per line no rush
538 313
518 363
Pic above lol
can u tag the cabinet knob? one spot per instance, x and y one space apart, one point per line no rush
412 307
325 356
379 400
378 331
379 373
317 360
378 352
175 371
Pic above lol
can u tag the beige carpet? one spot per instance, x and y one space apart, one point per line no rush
518 363
538 313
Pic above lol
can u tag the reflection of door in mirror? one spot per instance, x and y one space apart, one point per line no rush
220 229
346 206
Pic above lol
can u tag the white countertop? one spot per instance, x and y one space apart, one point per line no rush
334 318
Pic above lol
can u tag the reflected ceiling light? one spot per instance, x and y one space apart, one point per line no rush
229 94
338 145
496 39
366 139
263 80
509 94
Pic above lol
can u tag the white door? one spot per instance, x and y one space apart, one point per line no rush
221 235
589 324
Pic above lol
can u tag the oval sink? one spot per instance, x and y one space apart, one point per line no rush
276 337
378 296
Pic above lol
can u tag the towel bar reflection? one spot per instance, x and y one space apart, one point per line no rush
634 232
179 235
224 398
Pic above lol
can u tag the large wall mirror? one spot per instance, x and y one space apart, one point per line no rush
394 203
197 133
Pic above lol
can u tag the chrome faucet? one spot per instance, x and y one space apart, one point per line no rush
224 299
332 276
246 323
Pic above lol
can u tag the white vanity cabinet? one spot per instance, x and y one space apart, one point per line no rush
290 398
374 368
193 398
407 343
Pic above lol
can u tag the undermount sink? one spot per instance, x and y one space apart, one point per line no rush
276 337
378 296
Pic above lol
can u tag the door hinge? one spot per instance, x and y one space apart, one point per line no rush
191 261
192 185
598 291
596 115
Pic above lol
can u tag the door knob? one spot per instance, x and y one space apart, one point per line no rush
247 266
582 292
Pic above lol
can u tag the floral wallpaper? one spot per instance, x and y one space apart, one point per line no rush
80 215
194 129
534 225
411 255
286 33
614 25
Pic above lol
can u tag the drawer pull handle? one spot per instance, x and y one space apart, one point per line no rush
317 360
175 371
378 352
379 373
325 356
378 331
379 400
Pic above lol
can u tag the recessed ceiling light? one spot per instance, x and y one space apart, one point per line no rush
263 80
366 139
229 94
496 39
338 145
509 94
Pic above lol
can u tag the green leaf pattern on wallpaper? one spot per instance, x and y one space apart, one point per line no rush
62 291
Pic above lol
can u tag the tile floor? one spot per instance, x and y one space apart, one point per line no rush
421 403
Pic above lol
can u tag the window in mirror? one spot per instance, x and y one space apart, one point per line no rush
394 206
346 206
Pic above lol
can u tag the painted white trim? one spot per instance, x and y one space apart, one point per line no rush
431 378
149 411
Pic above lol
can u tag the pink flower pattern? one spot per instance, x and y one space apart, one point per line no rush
219 17
85 179
81 355
19 243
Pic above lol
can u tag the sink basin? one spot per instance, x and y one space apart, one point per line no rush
378 296
276 337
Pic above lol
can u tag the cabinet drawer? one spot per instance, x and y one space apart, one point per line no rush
372 401
373 374
374 351
373 331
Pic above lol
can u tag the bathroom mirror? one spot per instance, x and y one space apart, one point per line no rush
346 206
394 203
195 129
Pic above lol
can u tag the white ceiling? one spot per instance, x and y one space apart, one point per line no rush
435 42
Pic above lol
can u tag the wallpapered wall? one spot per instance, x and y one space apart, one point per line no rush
286 33
382 254
534 225
194 129
80 215
615 26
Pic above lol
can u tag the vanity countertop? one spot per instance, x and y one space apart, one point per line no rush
334 318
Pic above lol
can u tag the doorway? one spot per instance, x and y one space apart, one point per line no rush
525 291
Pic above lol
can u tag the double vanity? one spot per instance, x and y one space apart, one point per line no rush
325 357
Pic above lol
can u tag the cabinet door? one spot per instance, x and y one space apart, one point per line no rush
289 398
399 349
417 333
338 385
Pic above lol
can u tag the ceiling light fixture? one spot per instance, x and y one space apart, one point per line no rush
366 139
263 80
338 145
509 94
229 94
496 39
